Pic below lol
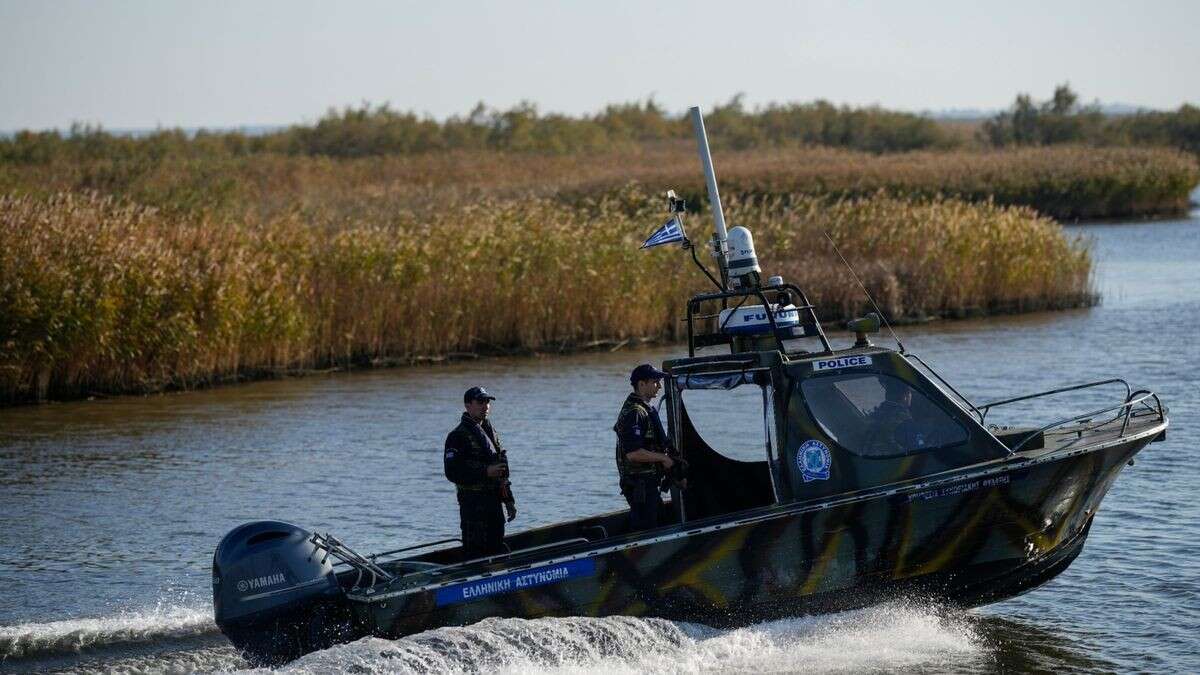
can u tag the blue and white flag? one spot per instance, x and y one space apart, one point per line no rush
671 231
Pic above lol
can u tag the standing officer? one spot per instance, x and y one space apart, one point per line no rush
477 465
642 448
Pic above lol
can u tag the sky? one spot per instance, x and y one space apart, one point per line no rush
145 64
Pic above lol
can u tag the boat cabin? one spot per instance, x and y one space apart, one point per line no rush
833 421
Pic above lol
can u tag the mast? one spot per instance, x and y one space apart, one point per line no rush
721 236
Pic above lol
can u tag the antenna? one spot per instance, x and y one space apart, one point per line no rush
865 291
714 197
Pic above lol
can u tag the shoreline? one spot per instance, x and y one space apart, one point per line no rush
253 375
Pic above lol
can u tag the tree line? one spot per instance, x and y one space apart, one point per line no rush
379 130
1063 119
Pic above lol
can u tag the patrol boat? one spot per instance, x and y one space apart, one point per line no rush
876 478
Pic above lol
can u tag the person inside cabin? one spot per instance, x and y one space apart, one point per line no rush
642 448
891 422
477 464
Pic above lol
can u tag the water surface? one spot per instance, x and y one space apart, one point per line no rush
110 509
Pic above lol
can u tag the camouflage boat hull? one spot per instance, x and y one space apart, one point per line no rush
969 539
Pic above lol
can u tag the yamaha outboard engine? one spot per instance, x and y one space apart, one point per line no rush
275 595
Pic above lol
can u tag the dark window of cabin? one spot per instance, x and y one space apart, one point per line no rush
874 415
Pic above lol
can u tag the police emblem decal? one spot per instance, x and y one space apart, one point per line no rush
813 459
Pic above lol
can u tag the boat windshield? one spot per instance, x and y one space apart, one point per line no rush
876 415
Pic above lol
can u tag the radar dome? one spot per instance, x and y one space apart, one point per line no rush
743 262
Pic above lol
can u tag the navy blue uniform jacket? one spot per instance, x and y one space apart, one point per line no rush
470 448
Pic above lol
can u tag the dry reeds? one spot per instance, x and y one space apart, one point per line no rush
97 295
1064 182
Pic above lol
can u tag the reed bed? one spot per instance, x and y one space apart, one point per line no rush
1064 182
99 295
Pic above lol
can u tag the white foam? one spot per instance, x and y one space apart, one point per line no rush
887 637
164 620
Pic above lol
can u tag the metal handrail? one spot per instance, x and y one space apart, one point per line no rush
376 556
603 530
986 408
1157 403
334 546
509 554
760 293
718 314
442 569
361 563
964 399
1127 406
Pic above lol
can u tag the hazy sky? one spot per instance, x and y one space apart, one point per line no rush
138 64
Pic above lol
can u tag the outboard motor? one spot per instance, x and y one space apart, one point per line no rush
275 595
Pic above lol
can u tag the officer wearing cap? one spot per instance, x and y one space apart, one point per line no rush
642 448
477 465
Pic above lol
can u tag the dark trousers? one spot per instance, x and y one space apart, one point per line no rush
644 501
482 519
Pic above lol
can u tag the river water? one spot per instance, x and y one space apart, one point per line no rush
110 509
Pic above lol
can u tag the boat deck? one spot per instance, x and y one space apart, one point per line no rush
1090 434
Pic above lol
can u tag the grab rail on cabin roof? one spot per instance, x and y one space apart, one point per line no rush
693 309
1127 407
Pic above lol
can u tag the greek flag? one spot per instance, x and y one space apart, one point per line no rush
670 231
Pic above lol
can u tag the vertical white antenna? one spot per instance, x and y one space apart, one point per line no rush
714 197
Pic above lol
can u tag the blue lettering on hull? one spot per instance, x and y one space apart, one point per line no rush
515 581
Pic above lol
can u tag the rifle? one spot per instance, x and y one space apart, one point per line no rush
506 494
678 471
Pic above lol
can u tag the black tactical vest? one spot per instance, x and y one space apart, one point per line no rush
636 428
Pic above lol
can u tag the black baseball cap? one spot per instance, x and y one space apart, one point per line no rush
645 372
477 394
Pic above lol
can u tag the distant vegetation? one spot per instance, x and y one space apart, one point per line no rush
379 130
369 131
1066 182
99 296
1063 119
785 149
